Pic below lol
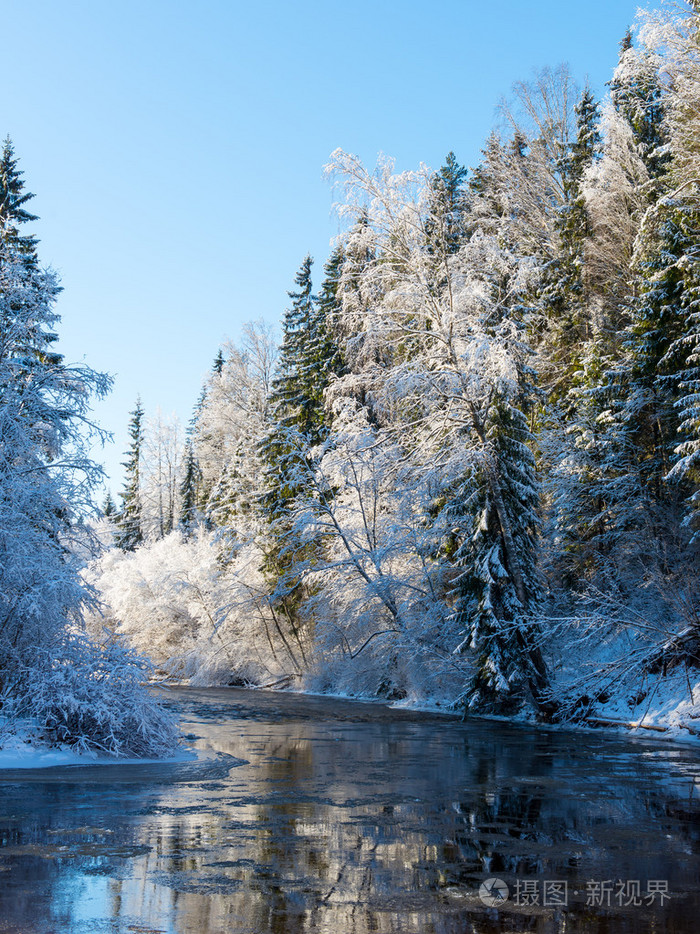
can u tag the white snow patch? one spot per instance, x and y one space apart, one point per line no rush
19 752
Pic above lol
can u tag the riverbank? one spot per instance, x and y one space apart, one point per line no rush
666 706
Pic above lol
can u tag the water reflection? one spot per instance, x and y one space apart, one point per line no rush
348 819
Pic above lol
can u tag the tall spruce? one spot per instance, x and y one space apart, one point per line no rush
307 361
13 213
563 298
445 224
46 477
189 492
130 528
686 351
637 93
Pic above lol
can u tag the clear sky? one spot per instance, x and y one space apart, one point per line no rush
176 149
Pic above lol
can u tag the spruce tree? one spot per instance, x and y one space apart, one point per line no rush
445 225
499 588
109 508
637 93
13 214
687 453
13 198
294 395
563 297
666 364
189 492
46 477
130 530
309 358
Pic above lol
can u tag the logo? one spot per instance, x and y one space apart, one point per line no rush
493 892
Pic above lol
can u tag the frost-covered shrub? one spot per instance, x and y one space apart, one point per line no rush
196 612
92 697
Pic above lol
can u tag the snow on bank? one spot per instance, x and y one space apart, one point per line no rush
667 705
29 756
22 751
21 754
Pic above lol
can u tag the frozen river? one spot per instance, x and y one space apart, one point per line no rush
315 815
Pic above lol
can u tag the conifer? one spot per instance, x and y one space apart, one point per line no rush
130 529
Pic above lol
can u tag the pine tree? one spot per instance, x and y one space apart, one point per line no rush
189 492
46 476
563 297
294 392
309 358
12 210
445 225
129 522
637 93
329 357
13 214
109 509
499 588
497 514
687 350
653 342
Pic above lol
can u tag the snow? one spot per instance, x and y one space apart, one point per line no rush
19 752
670 709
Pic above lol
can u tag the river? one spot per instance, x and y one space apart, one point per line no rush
309 815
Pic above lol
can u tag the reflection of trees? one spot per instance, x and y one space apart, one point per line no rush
355 828
352 827
47 827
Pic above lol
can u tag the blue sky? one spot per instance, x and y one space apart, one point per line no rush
176 150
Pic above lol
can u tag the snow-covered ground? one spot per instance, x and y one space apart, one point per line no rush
25 750
670 706
20 753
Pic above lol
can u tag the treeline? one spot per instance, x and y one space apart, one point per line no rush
471 471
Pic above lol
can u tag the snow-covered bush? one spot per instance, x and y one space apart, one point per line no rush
195 614
93 697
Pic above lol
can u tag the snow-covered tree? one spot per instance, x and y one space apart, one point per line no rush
450 380
308 360
189 491
73 690
231 420
160 475
130 519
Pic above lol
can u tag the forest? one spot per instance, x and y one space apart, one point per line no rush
468 474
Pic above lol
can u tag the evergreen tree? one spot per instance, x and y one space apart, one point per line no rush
687 453
294 395
129 522
499 588
109 509
309 358
637 93
445 225
13 214
654 350
189 492
12 210
330 360
563 296
46 477
495 515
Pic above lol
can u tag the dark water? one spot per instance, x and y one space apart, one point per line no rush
350 818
